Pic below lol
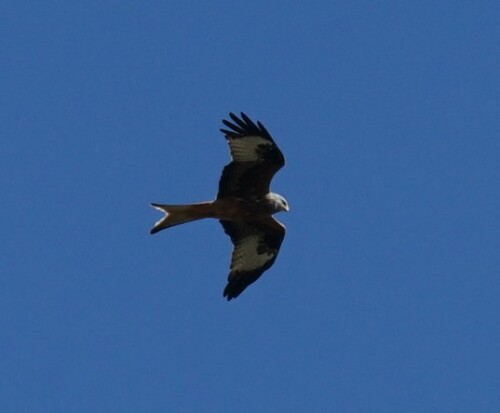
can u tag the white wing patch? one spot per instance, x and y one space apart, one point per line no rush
246 257
245 149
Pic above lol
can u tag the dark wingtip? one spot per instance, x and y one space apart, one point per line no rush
238 127
228 296
263 129
246 118
231 291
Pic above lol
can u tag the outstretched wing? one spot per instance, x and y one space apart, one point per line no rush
255 159
256 246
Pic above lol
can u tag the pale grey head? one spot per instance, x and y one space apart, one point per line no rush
278 202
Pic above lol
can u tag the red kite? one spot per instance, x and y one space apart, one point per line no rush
244 203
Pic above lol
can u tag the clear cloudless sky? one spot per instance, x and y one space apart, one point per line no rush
386 294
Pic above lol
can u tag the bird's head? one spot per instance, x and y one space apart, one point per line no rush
279 203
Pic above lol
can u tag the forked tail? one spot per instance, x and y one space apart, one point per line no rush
180 214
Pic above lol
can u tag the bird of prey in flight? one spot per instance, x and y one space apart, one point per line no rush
244 203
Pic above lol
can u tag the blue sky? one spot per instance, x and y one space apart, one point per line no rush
385 296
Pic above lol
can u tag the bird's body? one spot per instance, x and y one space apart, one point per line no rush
244 203
226 209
